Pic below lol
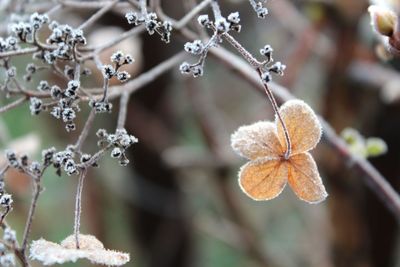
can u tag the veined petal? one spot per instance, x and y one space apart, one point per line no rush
256 141
263 179
302 124
304 178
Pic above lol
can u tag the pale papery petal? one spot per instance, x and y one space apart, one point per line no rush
305 180
256 141
50 253
263 179
302 124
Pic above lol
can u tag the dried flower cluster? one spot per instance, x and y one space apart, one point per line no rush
151 22
221 28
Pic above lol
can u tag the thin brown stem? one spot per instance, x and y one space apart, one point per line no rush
279 116
123 107
36 192
12 105
23 51
98 14
85 131
78 206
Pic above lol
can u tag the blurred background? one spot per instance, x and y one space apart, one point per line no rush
178 203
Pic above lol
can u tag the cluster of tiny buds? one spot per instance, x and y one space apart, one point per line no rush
64 160
8 44
119 60
151 23
109 71
220 26
65 39
120 142
65 109
22 164
25 31
277 67
258 7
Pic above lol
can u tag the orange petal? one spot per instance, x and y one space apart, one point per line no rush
263 179
305 180
303 126
257 140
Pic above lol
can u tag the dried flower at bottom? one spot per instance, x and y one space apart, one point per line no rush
50 253
264 143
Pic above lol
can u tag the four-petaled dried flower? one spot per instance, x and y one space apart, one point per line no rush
90 248
264 143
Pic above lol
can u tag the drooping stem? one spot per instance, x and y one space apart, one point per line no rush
258 66
279 116
78 207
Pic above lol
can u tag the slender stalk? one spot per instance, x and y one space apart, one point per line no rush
216 9
143 6
189 16
85 131
12 105
23 51
97 49
105 89
98 14
123 107
36 192
53 10
279 116
78 207
258 66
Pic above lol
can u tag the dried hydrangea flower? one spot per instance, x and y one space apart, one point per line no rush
265 176
50 253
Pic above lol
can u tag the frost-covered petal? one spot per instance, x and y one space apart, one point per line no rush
263 179
257 140
50 253
305 180
108 257
302 124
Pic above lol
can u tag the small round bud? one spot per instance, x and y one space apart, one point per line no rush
116 152
266 77
203 20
